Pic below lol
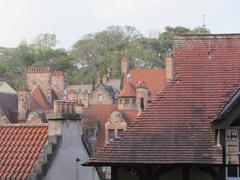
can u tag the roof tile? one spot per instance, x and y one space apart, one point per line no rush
175 127
20 151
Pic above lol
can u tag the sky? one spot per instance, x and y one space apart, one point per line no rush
71 19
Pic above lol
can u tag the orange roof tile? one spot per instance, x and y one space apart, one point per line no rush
176 127
128 90
154 79
19 152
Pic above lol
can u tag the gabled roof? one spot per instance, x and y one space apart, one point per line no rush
6 88
128 90
39 101
99 114
154 79
20 145
176 127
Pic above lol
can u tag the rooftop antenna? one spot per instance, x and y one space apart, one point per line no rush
204 20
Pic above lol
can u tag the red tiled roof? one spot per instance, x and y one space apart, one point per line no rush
39 102
128 90
20 146
154 79
99 114
176 126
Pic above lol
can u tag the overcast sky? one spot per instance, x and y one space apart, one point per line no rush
71 19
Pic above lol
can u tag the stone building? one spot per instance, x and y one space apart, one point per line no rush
102 94
191 130
41 89
105 92
104 122
139 86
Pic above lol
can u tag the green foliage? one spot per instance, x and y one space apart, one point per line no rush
166 37
40 52
91 56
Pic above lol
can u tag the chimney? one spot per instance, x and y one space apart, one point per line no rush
67 144
63 112
169 67
141 97
24 103
124 65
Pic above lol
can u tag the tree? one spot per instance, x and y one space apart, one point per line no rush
166 38
45 41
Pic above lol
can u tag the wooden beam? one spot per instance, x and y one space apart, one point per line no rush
185 173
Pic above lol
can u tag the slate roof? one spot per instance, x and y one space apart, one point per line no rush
176 127
114 83
154 79
99 114
8 105
6 88
20 146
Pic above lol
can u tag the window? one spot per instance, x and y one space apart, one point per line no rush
127 101
120 101
134 102
111 135
119 132
232 153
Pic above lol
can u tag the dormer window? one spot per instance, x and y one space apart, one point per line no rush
134 102
120 101
119 132
127 101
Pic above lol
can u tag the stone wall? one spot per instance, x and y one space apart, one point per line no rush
24 103
141 97
42 77
100 96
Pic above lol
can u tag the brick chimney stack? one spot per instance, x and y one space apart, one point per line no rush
24 103
40 76
141 97
169 67
124 65
72 95
58 83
